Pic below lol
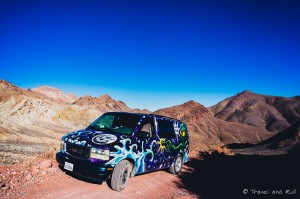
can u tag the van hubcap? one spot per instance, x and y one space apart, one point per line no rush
178 164
124 177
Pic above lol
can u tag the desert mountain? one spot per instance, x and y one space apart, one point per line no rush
208 132
28 116
105 103
102 102
25 117
34 118
27 109
56 94
46 109
269 112
87 108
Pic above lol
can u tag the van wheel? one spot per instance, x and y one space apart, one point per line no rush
120 175
177 165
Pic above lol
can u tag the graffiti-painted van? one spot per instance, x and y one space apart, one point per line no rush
119 145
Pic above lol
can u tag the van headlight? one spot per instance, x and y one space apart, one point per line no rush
100 154
62 146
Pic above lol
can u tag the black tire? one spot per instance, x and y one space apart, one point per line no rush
177 165
120 175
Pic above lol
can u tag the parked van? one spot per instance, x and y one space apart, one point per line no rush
119 145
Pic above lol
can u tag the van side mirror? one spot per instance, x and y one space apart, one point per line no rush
143 134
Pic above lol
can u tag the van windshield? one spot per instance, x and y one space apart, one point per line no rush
122 123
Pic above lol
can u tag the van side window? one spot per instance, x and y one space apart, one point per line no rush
147 129
165 129
147 126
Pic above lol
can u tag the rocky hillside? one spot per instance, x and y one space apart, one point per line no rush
284 142
56 94
209 132
269 112
285 139
27 108
103 102
26 124
28 117
87 108
46 110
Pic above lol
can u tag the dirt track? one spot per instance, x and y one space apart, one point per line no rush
210 175
158 184
53 183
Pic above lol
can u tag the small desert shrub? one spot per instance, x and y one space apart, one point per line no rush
223 149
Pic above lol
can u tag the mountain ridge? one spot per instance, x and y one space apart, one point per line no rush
274 113
30 116
209 132
56 94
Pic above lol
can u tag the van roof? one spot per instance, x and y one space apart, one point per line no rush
146 114
162 116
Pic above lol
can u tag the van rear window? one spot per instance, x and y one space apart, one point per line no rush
165 129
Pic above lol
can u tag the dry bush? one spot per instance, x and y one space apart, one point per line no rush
223 149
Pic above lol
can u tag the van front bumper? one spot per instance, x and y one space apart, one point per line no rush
85 168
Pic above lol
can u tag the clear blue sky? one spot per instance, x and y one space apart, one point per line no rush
153 54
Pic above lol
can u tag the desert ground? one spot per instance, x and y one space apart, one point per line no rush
206 175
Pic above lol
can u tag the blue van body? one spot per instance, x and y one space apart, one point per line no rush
149 142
